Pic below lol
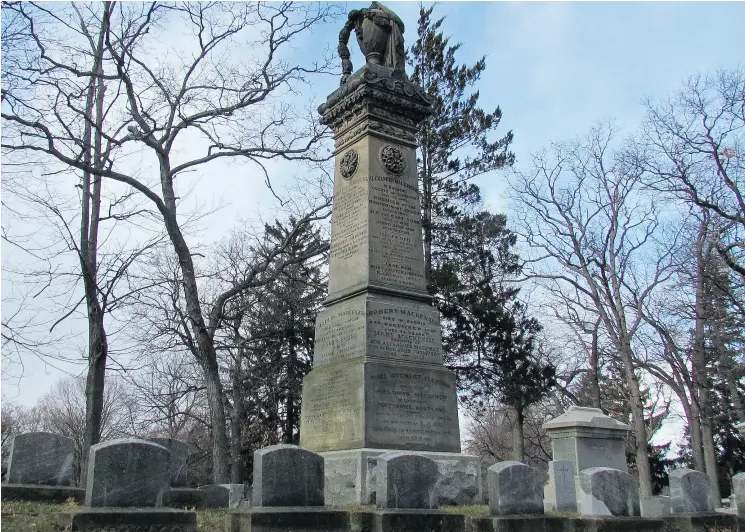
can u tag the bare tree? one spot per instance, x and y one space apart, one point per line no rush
217 95
694 144
591 232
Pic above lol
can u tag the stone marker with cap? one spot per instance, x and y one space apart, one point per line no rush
690 491
40 458
608 491
405 480
560 494
514 488
378 381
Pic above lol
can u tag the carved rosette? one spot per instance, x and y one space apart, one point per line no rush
348 164
393 159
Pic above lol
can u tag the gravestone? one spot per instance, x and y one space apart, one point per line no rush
738 488
607 491
127 473
560 494
405 480
690 491
177 461
222 495
514 488
655 506
40 458
286 475
378 381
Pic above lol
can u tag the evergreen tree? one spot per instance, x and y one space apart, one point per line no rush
454 141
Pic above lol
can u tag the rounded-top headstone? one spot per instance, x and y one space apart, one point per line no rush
287 475
405 480
514 488
690 491
41 458
177 462
127 472
608 491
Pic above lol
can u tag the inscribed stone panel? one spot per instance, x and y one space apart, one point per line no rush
405 331
331 417
410 408
340 332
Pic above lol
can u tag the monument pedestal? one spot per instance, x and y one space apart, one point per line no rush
351 477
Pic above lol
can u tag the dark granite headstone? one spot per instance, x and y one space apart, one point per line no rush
405 480
607 491
514 488
127 472
690 492
286 475
41 458
177 462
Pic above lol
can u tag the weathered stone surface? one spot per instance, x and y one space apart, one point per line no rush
127 472
222 495
588 438
656 506
289 520
128 520
184 498
606 491
40 458
286 475
690 491
177 461
560 494
383 405
514 488
405 480
738 488
36 492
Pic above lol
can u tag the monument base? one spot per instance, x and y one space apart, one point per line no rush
36 492
350 477
88 519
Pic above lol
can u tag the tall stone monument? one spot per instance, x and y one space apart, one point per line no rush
378 381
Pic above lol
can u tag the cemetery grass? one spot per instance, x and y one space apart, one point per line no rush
24 516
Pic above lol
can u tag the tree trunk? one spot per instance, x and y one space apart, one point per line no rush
518 438
90 215
694 429
637 424
595 368
236 415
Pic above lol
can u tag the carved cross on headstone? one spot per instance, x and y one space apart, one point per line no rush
563 469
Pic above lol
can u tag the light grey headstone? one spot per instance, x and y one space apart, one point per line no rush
607 491
690 492
127 472
287 475
738 488
560 494
514 488
405 480
655 506
179 456
40 458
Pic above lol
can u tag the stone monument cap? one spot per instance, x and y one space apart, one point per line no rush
585 418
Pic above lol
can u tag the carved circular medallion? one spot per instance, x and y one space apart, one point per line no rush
348 164
393 159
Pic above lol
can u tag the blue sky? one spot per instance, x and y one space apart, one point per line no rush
554 68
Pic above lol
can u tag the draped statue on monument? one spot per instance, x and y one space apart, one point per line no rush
380 34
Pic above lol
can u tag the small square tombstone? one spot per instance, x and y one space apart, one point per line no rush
222 495
287 475
177 462
127 472
405 480
514 488
607 491
655 506
40 458
560 494
690 492
738 488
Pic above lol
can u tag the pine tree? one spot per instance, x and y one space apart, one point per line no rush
455 145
